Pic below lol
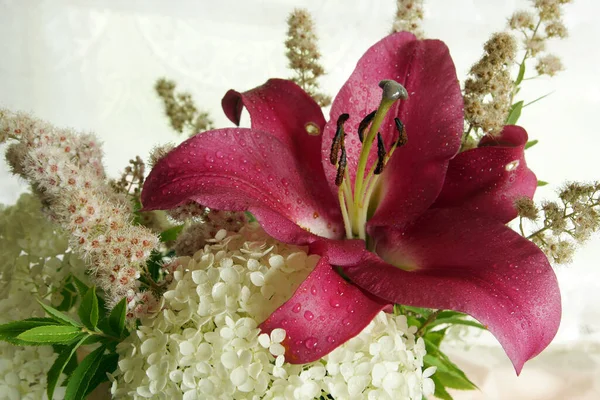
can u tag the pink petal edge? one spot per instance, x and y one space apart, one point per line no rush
241 169
432 115
455 260
325 312
489 179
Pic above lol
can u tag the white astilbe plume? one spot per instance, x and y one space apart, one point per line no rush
65 171
206 344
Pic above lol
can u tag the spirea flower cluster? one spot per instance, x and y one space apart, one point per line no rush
35 262
205 343
65 170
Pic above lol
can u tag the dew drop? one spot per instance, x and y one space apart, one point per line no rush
511 165
308 315
311 343
330 339
315 215
335 303
313 290
346 322
219 154
297 308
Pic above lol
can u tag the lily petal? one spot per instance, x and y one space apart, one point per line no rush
432 115
323 313
489 178
241 169
283 109
453 259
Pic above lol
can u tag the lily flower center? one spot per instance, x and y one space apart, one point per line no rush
355 201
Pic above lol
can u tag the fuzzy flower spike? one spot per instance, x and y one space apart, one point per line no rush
381 194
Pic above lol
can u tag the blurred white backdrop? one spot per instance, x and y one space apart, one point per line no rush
92 65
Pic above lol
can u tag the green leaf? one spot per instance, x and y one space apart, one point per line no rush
448 366
250 217
515 113
448 373
88 309
423 312
456 321
81 378
154 264
521 74
538 99
171 234
440 390
59 316
50 334
69 294
541 183
116 319
10 331
531 143
434 337
82 288
64 357
107 364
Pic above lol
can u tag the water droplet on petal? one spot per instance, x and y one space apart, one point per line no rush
511 165
313 290
297 308
311 343
308 316
330 339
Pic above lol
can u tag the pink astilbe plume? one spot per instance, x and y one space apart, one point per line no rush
65 169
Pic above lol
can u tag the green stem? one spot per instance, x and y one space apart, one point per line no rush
429 320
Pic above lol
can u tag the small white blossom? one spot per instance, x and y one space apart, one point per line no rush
206 342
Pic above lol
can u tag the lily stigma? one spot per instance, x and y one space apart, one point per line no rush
355 203
394 208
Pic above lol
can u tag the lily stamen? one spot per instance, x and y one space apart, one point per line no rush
338 139
364 124
380 155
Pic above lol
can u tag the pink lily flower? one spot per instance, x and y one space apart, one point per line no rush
381 193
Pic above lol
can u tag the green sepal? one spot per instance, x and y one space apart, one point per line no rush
81 378
10 331
531 143
59 316
88 309
515 113
541 183
64 358
51 334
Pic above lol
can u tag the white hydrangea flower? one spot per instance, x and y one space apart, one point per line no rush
206 344
34 262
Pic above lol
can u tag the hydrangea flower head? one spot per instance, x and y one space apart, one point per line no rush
381 194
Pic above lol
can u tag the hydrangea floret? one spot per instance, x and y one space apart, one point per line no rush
395 213
206 341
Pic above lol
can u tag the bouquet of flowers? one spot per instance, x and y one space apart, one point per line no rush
303 257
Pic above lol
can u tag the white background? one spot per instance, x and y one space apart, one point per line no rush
91 65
